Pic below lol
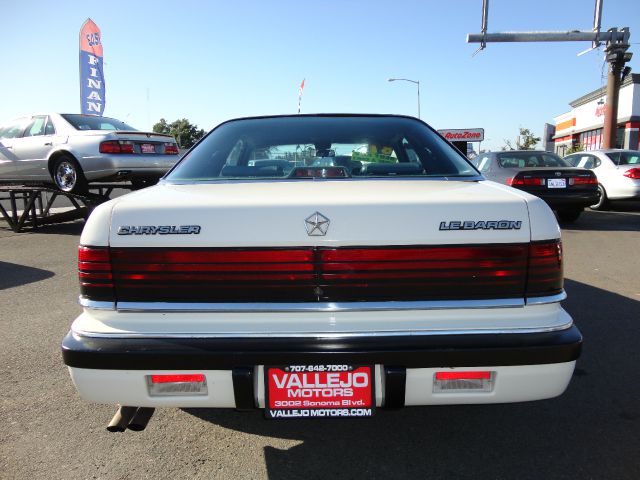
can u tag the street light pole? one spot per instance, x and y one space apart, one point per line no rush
417 82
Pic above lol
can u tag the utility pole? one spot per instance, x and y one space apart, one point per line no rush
617 56
617 44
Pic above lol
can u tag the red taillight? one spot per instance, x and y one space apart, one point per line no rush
196 377
320 274
526 181
633 173
347 274
94 272
461 382
126 147
177 384
116 146
111 146
545 273
461 375
171 149
588 180
93 254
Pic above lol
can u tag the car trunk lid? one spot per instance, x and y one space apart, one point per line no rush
275 213
376 241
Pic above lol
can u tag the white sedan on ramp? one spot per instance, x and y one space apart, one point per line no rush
72 150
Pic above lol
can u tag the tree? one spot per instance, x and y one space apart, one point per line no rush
162 127
185 133
525 141
576 147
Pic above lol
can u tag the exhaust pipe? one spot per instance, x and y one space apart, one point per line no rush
141 419
121 419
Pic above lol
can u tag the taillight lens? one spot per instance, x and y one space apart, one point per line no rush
94 272
177 384
633 173
545 273
456 381
170 149
126 147
517 181
175 378
586 180
321 274
111 146
116 146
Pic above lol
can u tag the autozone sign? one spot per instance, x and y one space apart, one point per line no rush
463 134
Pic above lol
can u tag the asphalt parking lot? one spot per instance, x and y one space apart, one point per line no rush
591 432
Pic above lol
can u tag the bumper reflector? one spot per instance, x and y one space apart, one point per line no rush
177 384
459 381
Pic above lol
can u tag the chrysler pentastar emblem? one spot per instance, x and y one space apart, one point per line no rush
316 224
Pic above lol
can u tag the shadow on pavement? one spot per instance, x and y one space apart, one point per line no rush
588 432
613 221
625 206
14 275
69 228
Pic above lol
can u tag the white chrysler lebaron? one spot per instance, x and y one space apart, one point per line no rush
321 266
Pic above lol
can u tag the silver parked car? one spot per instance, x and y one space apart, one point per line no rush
566 189
618 173
72 150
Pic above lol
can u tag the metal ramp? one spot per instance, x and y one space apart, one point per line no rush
31 206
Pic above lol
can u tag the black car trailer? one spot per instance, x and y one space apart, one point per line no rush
30 206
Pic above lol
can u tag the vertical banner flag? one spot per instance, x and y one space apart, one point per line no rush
300 95
92 88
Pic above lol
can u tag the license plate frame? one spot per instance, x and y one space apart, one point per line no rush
557 183
147 148
319 391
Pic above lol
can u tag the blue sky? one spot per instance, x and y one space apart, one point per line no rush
211 61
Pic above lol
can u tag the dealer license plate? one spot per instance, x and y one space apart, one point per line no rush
319 391
557 183
147 148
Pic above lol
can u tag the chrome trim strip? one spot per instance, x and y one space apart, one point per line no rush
546 300
96 305
326 335
317 307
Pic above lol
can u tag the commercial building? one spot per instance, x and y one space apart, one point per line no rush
462 139
584 124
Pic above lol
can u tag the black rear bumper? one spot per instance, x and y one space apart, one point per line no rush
409 351
565 198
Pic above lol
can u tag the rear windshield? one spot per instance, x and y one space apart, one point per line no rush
625 158
93 122
530 159
299 147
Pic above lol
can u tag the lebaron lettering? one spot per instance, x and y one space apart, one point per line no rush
481 225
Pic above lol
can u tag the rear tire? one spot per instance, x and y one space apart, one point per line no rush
68 176
569 216
603 203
